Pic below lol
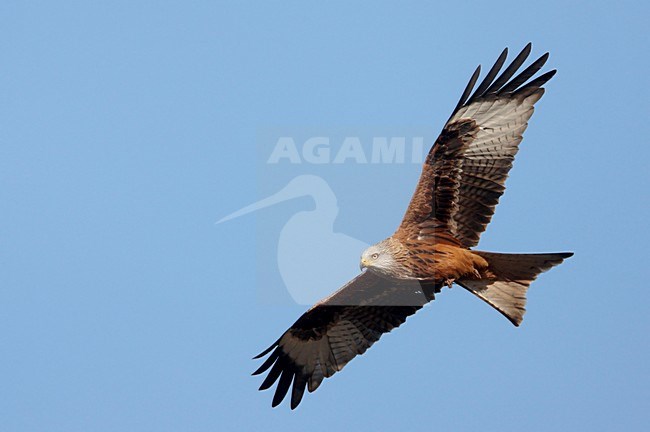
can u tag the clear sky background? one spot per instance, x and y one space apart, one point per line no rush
127 129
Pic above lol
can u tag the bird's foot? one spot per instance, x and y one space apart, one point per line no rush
477 274
449 282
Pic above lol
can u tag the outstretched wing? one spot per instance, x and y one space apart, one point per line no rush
337 329
465 171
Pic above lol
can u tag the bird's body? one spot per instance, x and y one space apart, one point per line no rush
439 261
462 179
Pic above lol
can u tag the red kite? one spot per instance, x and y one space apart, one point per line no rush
462 179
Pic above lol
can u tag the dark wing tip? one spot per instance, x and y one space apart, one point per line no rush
268 362
285 370
468 90
493 85
539 81
299 384
283 386
494 71
524 75
510 70
273 375
266 351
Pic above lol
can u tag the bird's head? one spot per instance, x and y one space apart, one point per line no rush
378 257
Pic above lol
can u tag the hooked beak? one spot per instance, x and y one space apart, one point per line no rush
363 265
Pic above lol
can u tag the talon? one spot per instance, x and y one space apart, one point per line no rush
449 282
477 274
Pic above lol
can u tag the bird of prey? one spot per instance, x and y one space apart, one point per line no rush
462 179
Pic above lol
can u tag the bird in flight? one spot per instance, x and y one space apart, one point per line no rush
462 179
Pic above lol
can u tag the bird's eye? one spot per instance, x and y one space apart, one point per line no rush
375 256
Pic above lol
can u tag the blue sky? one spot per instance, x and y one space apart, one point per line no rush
127 130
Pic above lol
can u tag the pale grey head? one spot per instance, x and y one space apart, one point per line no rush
380 258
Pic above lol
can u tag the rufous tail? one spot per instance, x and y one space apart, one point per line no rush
503 286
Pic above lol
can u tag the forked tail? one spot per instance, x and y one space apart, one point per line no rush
507 279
